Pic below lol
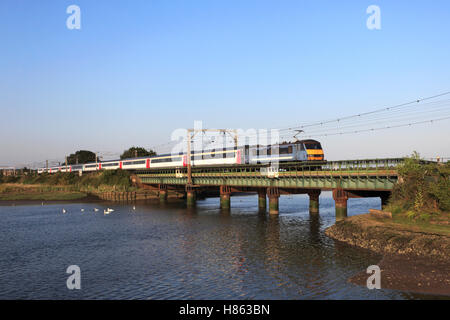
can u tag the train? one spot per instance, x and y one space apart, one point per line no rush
301 150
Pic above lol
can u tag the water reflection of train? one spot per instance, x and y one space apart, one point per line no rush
304 150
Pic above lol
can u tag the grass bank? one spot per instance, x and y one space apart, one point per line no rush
15 191
64 186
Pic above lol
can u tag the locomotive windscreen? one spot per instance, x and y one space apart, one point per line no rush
313 145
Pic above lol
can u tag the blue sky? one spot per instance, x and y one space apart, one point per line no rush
137 70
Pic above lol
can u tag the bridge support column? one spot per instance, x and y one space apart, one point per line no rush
225 192
262 200
340 197
162 193
314 201
190 196
274 196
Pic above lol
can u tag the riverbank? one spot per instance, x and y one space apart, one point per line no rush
35 192
15 193
388 237
416 258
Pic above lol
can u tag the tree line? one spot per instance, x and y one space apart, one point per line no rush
86 156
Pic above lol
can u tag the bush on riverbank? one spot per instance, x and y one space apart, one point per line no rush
423 190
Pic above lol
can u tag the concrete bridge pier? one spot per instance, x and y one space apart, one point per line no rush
262 200
314 201
162 193
274 196
190 196
340 197
225 193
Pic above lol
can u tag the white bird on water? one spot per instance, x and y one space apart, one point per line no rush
64 211
108 211
82 210
95 209
134 207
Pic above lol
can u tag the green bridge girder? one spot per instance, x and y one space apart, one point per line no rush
370 174
349 183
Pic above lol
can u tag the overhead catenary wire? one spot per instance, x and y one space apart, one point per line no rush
402 111
381 128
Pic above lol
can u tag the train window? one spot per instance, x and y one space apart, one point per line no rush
198 156
110 164
286 150
129 163
313 146
210 155
162 160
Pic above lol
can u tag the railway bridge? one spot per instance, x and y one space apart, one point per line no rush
346 179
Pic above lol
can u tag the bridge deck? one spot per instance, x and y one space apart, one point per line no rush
372 174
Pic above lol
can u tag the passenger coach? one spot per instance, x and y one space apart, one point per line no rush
304 150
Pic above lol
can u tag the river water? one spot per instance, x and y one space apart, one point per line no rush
170 252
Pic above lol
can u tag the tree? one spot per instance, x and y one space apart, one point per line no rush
135 152
81 156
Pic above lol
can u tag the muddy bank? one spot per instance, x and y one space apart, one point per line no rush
366 232
413 261
411 274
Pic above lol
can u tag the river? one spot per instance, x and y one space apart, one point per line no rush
170 252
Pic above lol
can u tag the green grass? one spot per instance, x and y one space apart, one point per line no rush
429 221
420 225
44 196
117 180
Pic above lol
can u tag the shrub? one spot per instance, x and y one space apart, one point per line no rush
423 186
